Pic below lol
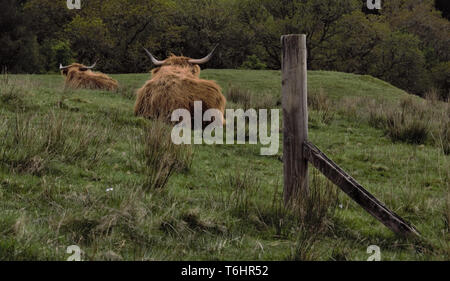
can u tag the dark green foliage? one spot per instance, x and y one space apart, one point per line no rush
441 78
19 51
405 43
253 62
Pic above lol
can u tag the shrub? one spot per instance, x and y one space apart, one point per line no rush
253 62
413 130
441 78
408 122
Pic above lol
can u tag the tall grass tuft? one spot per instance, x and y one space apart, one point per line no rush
161 157
28 143
13 92
127 92
323 105
411 120
408 122
314 209
247 99
244 190
239 96
446 213
313 212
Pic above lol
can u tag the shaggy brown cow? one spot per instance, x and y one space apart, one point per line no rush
80 76
175 84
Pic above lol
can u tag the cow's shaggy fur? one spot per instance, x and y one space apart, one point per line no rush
78 77
176 85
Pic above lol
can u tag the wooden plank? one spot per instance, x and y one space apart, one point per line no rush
295 115
353 189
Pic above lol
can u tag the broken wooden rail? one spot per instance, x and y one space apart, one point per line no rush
298 151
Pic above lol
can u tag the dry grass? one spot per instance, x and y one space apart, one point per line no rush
308 218
323 106
314 209
246 99
410 120
13 92
413 121
245 188
313 212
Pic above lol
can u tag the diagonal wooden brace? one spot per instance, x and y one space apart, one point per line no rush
353 189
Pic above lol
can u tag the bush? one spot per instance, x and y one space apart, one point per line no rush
413 131
441 79
406 123
253 62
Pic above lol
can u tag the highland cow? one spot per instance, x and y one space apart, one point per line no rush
79 76
175 84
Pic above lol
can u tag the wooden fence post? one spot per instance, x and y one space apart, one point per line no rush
295 115
297 150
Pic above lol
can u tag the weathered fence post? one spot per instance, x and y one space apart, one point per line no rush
297 150
295 115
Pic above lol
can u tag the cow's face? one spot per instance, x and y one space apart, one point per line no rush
75 67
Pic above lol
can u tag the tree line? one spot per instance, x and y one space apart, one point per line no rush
406 43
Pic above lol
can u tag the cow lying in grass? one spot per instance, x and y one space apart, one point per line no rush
79 76
175 84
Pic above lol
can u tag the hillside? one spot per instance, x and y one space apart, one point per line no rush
71 172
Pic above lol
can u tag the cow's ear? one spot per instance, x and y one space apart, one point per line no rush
83 68
196 70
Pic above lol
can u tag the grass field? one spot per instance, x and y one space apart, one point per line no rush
72 171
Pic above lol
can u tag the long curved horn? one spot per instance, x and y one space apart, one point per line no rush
205 59
92 66
61 67
154 61
88 67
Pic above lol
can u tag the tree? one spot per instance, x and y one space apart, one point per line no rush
19 50
359 35
399 60
441 79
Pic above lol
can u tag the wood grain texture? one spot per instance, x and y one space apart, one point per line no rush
295 115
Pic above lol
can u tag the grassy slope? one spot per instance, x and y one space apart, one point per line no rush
41 216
